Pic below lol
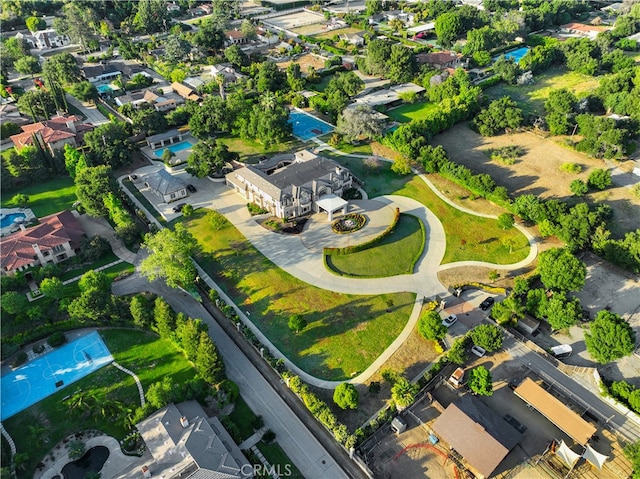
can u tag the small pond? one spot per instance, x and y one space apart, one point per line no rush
93 460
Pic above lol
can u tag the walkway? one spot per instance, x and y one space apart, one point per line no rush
135 378
91 112
93 226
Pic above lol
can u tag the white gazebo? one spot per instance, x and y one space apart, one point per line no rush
331 204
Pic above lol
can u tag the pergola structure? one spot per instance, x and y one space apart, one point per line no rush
331 204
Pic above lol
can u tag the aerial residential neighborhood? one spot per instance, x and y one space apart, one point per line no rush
320 239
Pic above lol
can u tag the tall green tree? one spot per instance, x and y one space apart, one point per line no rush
35 23
361 122
62 68
94 302
401 64
27 65
509 310
152 16
170 256
209 35
501 115
345 395
377 57
208 361
80 22
109 144
487 336
480 381
560 106
561 312
163 318
92 184
609 337
209 157
560 270
188 334
430 326
141 311
448 28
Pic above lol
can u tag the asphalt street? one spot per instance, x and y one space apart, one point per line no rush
302 447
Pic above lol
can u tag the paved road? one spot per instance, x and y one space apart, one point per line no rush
302 447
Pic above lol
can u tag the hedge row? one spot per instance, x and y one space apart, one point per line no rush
319 409
367 244
624 393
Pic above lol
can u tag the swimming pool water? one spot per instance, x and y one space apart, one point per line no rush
8 220
183 145
515 55
51 372
306 126
104 88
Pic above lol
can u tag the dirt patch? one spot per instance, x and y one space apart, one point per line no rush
305 61
538 170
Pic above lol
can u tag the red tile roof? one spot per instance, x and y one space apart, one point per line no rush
51 131
54 230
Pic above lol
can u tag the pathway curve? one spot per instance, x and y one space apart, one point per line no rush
135 378
301 256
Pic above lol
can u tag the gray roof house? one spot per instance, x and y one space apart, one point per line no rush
165 186
185 443
292 185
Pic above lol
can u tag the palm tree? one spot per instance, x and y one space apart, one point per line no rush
220 81
268 100
403 393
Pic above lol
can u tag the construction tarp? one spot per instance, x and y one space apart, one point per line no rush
567 455
594 457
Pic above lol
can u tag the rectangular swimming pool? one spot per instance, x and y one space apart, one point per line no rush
515 55
182 145
51 372
104 88
306 126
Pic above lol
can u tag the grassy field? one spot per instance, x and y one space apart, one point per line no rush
242 416
320 87
469 237
395 254
532 97
40 427
251 150
484 239
336 33
412 111
345 333
47 197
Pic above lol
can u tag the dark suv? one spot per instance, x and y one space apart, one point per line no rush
487 303
178 208
191 188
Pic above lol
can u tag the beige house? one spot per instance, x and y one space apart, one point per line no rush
53 134
292 185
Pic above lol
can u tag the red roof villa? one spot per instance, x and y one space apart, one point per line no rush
55 239
53 134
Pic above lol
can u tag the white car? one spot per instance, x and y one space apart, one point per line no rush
449 320
478 351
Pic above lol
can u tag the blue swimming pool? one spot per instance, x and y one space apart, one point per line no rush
48 374
182 145
306 126
9 219
104 88
515 55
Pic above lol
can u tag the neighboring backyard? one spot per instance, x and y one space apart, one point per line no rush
345 333
45 198
412 111
538 170
531 98
37 429
396 254
250 151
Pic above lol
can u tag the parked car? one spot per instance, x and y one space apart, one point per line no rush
586 316
561 351
487 303
191 188
177 208
449 320
478 350
457 377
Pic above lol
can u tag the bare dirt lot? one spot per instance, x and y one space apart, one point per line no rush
305 61
538 170
296 20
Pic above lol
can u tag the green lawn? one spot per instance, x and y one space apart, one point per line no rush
47 197
469 237
79 270
277 457
250 150
150 357
531 98
242 416
484 239
345 333
412 111
322 85
395 254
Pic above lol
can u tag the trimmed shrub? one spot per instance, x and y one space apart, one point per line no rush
57 339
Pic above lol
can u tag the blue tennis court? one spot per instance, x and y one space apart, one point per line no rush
51 372
515 55
307 126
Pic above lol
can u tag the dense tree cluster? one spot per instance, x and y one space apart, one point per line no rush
609 337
